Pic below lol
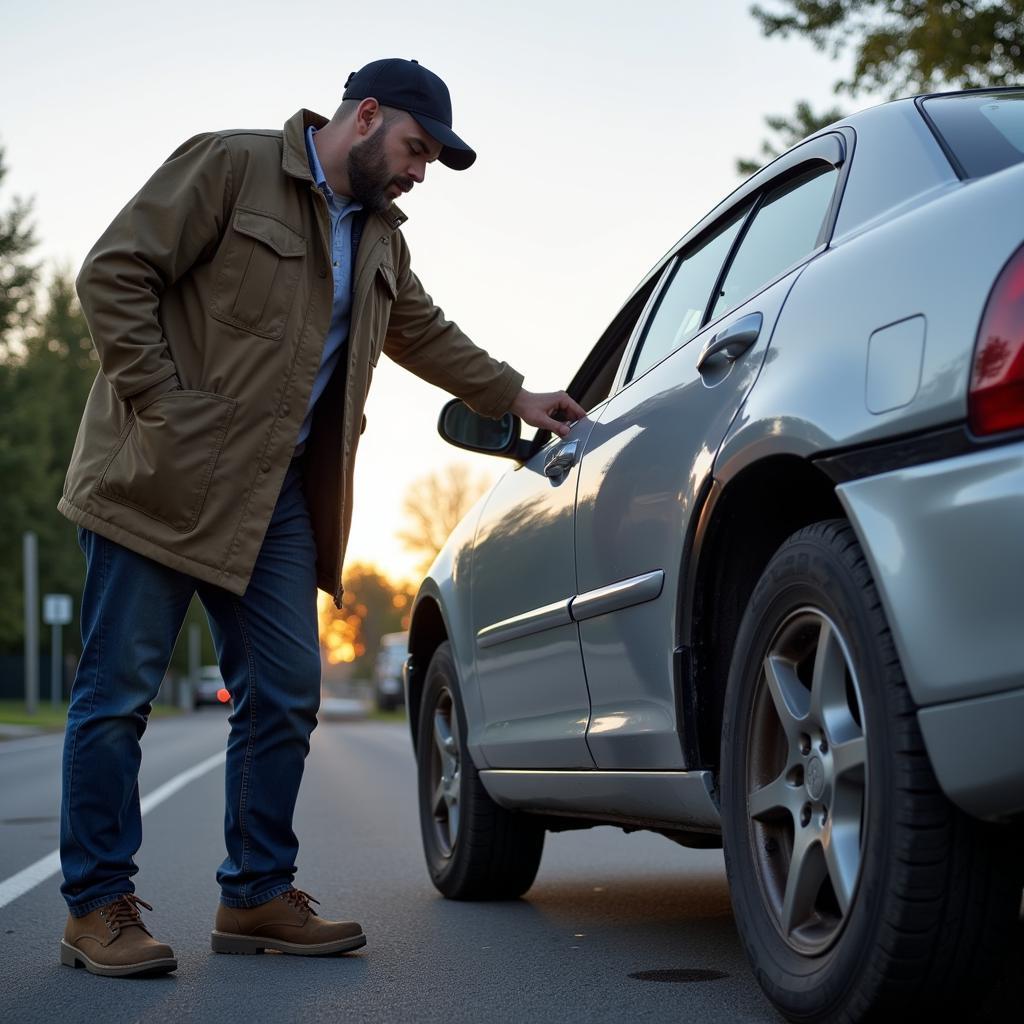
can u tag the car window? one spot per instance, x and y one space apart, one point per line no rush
593 383
984 130
680 310
784 229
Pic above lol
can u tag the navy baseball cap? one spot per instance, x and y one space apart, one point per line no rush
407 85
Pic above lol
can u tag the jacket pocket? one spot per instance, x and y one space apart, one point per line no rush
261 262
166 455
384 294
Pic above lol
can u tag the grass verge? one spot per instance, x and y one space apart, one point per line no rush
14 712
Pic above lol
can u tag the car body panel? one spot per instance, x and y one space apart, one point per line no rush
945 541
533 689
647 460
967 743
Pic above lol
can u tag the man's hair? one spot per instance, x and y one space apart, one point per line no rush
348 109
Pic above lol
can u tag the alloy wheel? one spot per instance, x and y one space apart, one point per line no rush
807 770
445 773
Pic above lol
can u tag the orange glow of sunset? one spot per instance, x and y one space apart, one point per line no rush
339 628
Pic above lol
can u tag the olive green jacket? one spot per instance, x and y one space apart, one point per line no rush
208 299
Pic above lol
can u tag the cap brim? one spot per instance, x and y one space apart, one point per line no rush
454 152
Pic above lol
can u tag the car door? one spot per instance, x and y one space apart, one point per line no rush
528 663
652 450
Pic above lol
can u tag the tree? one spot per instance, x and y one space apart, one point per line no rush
42 393
434 505
789 131
905 46
370 607
18 277
899 47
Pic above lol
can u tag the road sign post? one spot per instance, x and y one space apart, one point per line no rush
56 613
31 564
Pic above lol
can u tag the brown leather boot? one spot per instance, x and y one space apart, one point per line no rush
114 942
286 923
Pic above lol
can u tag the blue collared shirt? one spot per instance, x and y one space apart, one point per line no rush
342 211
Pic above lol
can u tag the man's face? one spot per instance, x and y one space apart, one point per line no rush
392 158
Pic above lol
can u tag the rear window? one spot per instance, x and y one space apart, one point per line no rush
983 130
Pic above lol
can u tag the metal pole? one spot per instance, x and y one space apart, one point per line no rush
56 668
31 561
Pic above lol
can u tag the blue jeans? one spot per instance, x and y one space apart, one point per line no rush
267 644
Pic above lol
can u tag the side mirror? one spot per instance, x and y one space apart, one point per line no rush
462 427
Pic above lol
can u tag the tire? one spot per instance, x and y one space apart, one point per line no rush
475 850
904 901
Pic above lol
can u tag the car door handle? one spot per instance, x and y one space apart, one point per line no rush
733 341
561 460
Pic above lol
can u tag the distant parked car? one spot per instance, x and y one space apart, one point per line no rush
769 592
210 688
387 671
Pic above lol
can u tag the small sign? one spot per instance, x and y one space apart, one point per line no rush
56 609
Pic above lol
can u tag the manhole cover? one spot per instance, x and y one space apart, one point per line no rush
681 975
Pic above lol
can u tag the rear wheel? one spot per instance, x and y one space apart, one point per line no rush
857 886
475 850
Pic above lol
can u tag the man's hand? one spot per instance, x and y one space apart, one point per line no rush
539 409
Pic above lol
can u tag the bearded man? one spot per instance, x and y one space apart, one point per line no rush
239 304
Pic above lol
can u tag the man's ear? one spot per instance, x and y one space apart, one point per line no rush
366 115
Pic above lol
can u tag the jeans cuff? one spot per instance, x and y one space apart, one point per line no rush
249 902
100 901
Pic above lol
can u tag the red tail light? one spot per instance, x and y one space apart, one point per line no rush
223 696
996 398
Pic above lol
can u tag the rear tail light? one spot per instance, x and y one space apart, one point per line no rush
996 399
223 695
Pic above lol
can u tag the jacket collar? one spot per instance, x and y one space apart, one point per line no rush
295 161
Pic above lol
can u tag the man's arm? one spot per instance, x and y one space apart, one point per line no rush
423 341
176 219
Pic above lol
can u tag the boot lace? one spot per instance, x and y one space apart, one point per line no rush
301 900
124 912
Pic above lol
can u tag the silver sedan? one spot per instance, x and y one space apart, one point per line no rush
769 592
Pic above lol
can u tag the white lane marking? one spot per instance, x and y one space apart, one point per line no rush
19 884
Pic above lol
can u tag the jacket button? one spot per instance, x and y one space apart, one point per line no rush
265 468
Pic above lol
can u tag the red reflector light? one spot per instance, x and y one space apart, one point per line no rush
223 696
996 399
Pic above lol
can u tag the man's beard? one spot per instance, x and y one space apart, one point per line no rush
368 173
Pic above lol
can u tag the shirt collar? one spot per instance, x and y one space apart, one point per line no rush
320 179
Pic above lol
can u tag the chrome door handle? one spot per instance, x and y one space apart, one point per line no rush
733 341
561 460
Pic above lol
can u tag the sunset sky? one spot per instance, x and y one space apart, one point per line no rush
604 131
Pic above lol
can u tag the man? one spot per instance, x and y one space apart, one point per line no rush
239 304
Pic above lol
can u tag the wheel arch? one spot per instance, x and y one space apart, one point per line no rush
427 631
742 523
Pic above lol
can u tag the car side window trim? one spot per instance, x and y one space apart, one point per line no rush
830 149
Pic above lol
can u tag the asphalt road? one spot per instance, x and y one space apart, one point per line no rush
605 906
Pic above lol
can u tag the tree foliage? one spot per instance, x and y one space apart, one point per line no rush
18 276
902 46
372 605
434 505
788 131
899 47
47 366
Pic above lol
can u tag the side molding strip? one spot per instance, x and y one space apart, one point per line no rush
624 594
534 621
619 595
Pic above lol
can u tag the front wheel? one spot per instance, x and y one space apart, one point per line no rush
857 887
475 850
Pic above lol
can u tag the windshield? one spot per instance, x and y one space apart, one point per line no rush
983 130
